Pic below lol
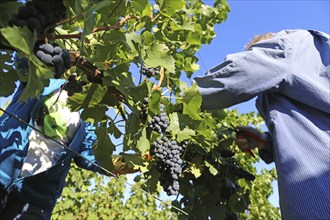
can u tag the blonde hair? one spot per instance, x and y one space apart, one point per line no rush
258 38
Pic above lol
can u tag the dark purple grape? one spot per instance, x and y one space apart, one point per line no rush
47 48
58 50
40 54
57 60
13 21
42 19
43 7
149 72
67 59
32 11
33 23
21 23
47 59
23 12
59 70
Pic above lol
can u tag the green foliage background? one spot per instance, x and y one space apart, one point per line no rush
117 37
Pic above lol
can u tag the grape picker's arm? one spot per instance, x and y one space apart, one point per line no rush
246 74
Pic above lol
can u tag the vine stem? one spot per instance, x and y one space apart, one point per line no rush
158 86
174 97
70 19
95 30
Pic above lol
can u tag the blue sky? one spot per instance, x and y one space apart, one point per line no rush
249 18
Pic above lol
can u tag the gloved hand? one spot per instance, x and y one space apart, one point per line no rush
250 138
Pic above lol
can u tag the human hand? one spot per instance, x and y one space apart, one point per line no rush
248 138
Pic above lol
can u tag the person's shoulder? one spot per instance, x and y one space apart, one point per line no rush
320 33
292 33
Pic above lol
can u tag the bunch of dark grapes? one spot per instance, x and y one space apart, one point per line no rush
226 191
240 172
226 153
144 110
160 123
167 154
231 216
55 56
72 85
39 15
149 72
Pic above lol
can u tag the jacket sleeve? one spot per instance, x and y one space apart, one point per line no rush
267 154
246 74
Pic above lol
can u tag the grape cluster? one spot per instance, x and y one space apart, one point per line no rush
55 56
226 153
160 123
39 15
144 111
167 154
149 72
72 85
241 173
231 216
226 191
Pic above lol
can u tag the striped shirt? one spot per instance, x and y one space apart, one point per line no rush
290 75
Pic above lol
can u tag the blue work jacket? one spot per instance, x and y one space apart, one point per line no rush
290 75
44 188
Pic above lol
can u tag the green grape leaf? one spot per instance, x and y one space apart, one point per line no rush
92 98
94 114
170 7
103 147
185 134
7 82
212 169
143 144
19 38
174 126
192 101
195 171
239 203
157 54
132 131
37 79
154 102
114 130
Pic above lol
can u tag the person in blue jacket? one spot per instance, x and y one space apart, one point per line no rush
289 73
33 164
